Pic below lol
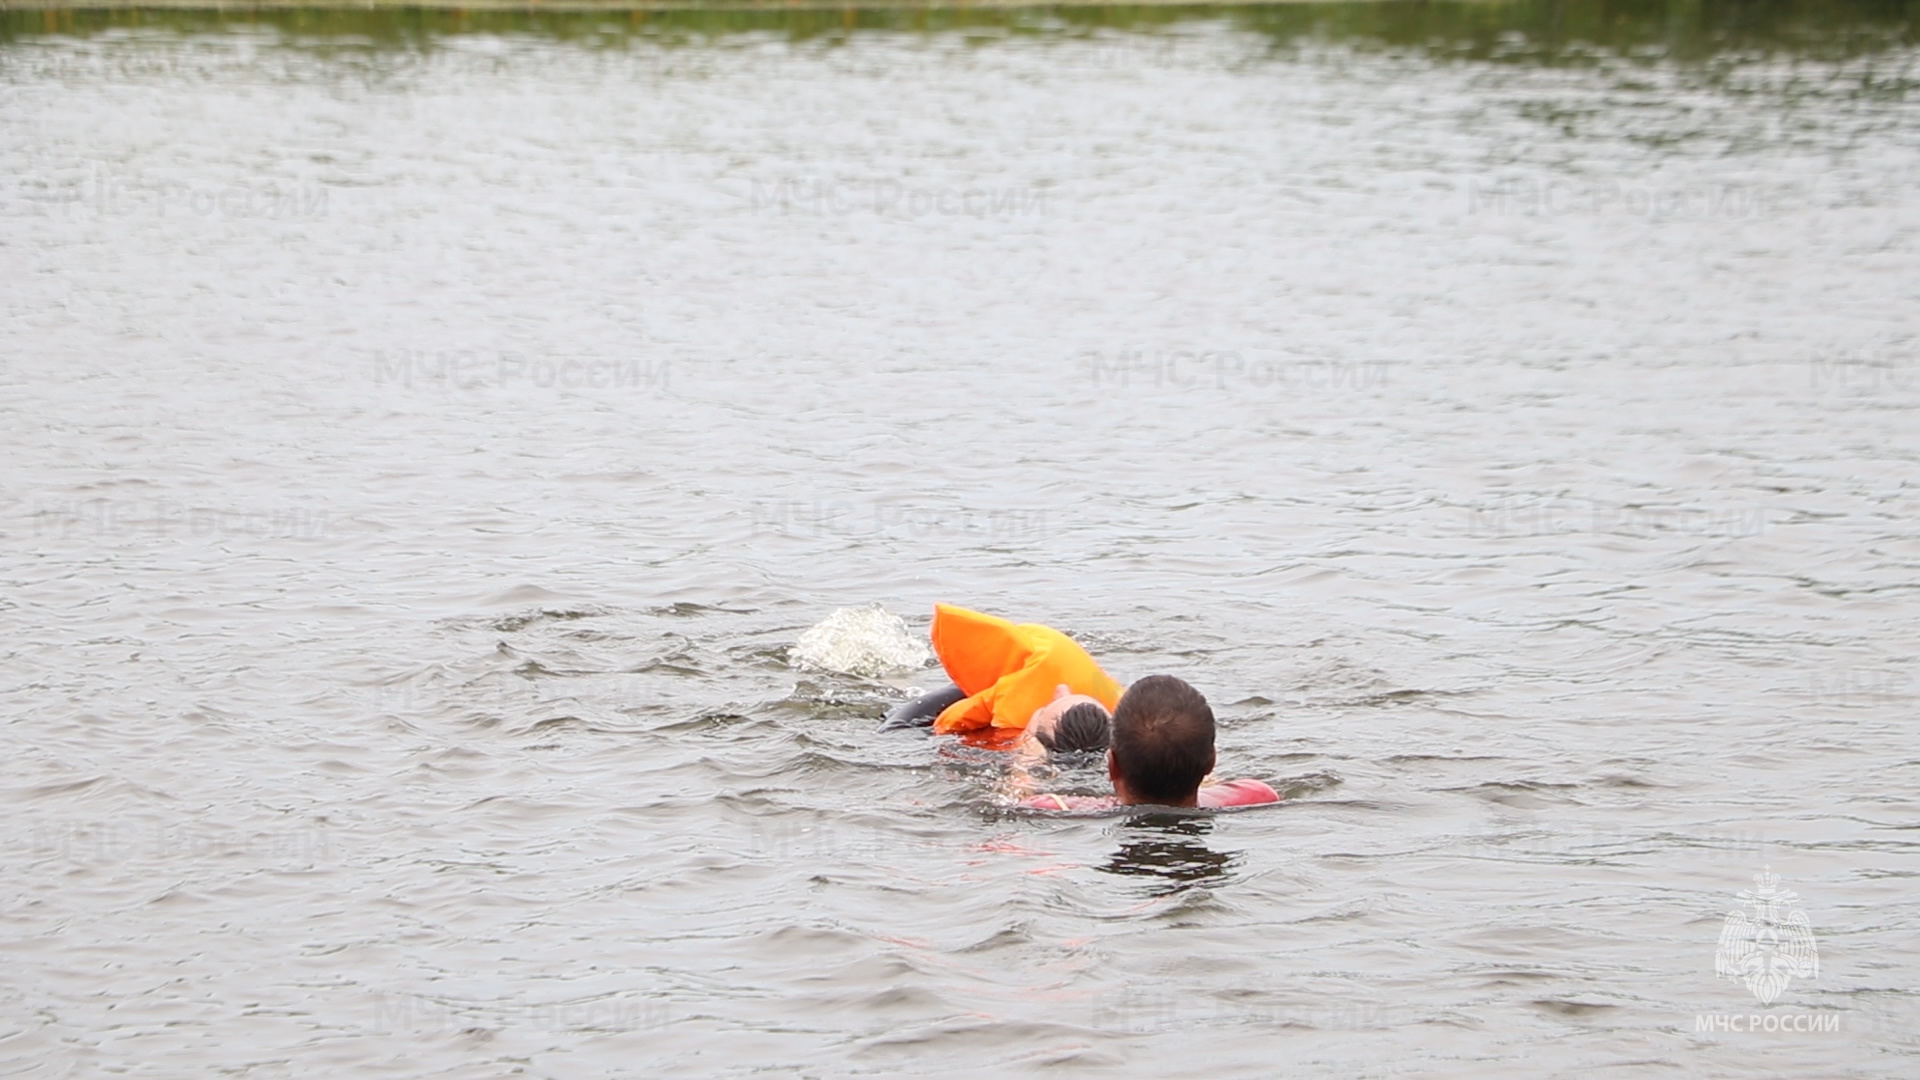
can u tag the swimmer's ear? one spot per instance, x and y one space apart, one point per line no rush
1062 690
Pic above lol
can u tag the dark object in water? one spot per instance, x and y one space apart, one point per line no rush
921 710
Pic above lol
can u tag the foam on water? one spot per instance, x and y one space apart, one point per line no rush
868 641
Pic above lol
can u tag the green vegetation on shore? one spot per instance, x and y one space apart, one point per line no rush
1492 29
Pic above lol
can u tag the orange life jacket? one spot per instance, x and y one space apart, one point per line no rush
1007 670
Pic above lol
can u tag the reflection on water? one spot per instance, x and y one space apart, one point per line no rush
1170 848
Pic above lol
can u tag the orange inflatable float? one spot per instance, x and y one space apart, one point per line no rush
1008 670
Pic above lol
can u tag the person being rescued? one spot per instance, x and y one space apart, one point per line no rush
1004 674
1036 688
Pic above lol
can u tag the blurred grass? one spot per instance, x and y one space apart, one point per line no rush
1537 30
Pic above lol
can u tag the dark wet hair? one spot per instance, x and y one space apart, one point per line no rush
1163 739
1086 726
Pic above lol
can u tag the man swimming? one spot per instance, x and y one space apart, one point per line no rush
1035 687
1162 750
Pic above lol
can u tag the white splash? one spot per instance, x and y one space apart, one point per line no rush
867 641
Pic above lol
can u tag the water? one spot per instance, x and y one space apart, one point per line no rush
427 435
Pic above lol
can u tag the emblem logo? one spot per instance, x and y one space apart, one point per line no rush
1772 946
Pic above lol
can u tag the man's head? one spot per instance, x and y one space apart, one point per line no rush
1162 742
1083 726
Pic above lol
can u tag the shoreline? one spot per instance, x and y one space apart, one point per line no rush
649 6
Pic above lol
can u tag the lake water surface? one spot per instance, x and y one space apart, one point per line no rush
426 434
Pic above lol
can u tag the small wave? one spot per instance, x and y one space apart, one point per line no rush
867 641
1299 787
508 624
